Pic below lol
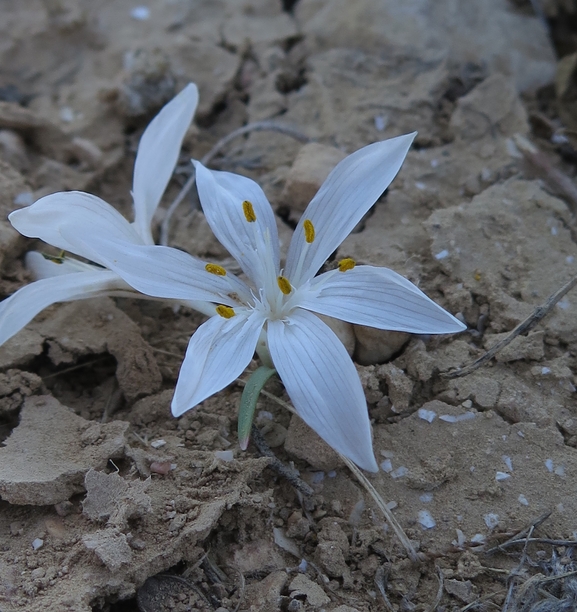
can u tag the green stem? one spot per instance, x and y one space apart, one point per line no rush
250 393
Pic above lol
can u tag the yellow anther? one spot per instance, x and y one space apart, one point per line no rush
225 311
346 264
248 210
284 285
215 269
58 259
309 230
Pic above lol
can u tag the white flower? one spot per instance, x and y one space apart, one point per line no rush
65 279
274 313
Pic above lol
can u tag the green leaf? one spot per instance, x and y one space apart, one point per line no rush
252 389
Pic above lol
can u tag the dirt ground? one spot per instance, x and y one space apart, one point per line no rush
108 503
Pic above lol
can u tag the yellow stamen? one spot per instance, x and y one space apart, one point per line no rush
225 311
284 285
248 210
346 264
215 269
58 259
309 230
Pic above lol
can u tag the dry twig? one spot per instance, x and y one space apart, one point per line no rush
539 313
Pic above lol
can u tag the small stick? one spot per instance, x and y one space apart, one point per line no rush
258 126
539 313
521 536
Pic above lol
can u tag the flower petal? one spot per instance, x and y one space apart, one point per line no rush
377 297
79 215
168 273
350 190
21 307
253 244
217 354
42 267
157 156
323 384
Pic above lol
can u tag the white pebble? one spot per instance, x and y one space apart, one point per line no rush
226 455
426 497
380 123
491 520
442 254
569 259
560 507
24 198
303 565
545 370
140 13
554 231
331 474
523 500
549 464
448 418
37 543
421 186
426 415
434 163
564 304
502 476
387 466
560 470
388 454
158 443
507 461
392 505
461 539
318 477
426 519
66 114
478 538
400 472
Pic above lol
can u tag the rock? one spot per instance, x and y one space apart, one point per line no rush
15 387
258 556
111 498
97 326
461 589
21 348
46 457
332 550
493 109
311 167
490 33
529 347
265 596
375 346
304 443
510 245
110 546
400 386
315 596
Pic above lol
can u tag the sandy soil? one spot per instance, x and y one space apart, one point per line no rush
108 503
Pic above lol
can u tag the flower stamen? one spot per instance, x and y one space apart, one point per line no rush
309 230
346 264
215 269
284 285
248 210
226 312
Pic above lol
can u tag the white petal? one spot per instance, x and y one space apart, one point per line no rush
217 354
377 297
20 308
47 268
168 273
254 245
323 384
157 156
78 215
350 190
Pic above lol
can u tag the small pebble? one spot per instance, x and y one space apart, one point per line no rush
24 198
426 415
400 472
502 476
140 13
37 543
426 519
226 455
380 123
491 520
158 443
507 461
549 464
387 466
426 497
442 254
523 500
